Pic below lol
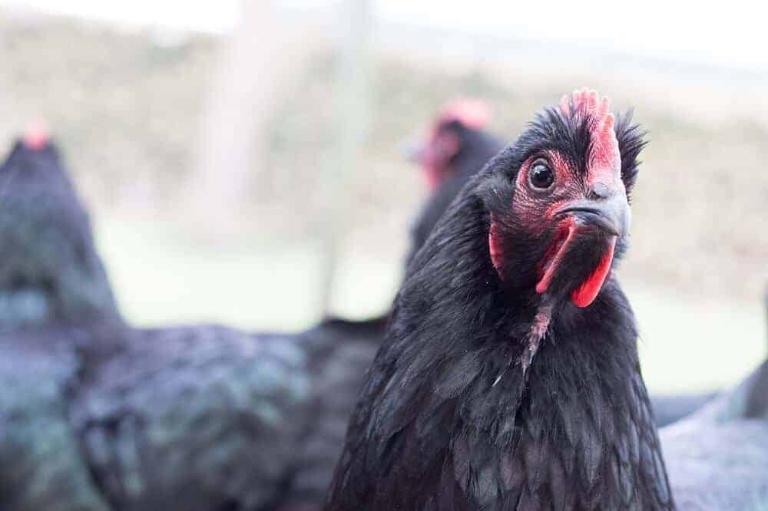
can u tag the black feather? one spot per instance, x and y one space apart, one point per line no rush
631 139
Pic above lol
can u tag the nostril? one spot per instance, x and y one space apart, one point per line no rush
600 191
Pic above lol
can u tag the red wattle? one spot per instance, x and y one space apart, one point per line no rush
553 260
585 294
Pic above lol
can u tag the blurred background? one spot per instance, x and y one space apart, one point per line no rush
243 159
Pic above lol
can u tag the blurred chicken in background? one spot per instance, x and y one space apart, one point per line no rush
97 415
457 146
55 297
50 272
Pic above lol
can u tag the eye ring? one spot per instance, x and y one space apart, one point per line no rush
541 177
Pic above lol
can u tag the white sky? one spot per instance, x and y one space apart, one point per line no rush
730 34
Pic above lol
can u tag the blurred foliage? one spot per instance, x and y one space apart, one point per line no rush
126 107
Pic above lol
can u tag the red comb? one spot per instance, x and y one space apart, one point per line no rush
472 113
37 136
587 103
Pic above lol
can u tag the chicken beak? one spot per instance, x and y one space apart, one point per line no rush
611 215
594 223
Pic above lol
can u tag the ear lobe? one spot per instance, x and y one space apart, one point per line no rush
631 141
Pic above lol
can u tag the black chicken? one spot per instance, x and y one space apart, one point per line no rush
509 377
96 415
55 304
51 271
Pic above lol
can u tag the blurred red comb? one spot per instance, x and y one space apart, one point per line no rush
37 136
472 113
588 103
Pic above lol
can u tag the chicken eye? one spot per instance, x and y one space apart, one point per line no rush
541 176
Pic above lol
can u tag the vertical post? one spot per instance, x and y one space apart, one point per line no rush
765 309
258 60
352 103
